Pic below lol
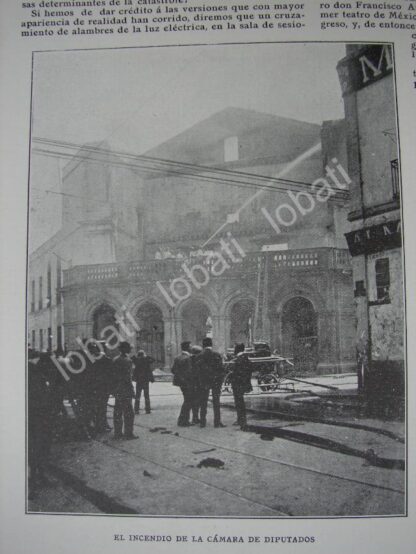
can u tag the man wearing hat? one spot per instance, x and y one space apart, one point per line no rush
210 372
182 377
143 375
123 394
102 387
40 418
196 389
240 378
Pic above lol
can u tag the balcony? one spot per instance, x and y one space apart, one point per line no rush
163 270
395 178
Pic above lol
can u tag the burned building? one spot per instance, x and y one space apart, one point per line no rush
210 233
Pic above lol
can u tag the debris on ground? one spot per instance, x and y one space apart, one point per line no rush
156 429
211 462
266 437
203 451
370 457
166 432
176 434
147 474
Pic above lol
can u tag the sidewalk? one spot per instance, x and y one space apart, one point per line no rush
320 404
313 403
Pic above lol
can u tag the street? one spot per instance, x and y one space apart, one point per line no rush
285 465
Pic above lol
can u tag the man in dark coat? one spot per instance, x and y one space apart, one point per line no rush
59 387
240 379
143 375
196 388
182 377
40 417
123 393
102 388
210 372
82 384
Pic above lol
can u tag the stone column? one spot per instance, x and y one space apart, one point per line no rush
126 328
74 330
172 327
220 327
327 342
275 332
227 331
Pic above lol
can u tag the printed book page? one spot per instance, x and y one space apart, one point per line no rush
207 286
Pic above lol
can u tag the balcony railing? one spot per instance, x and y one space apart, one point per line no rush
395 178
170 268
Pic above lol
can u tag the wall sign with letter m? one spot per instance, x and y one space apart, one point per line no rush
365 66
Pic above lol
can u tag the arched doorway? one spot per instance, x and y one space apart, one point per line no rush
103 317
196 322
300 333
150 336
241 322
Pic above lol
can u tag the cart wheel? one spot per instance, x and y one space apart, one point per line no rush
268 382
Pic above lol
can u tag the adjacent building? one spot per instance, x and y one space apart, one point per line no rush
375 240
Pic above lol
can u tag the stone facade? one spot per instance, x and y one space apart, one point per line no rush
319 276
136 244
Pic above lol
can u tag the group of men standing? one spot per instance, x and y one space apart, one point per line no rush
124 369
95 377
199 373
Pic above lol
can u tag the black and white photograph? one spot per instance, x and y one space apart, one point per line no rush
215 287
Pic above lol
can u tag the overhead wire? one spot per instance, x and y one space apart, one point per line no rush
186 170
222 181
183 169
189 165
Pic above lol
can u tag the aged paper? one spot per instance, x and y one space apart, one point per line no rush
207 275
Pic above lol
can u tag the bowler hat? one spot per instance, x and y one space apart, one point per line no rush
124 346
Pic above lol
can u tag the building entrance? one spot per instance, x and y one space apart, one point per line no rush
300 333
104 316
150 337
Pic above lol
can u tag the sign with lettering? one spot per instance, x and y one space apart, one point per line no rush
376 238
365 66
